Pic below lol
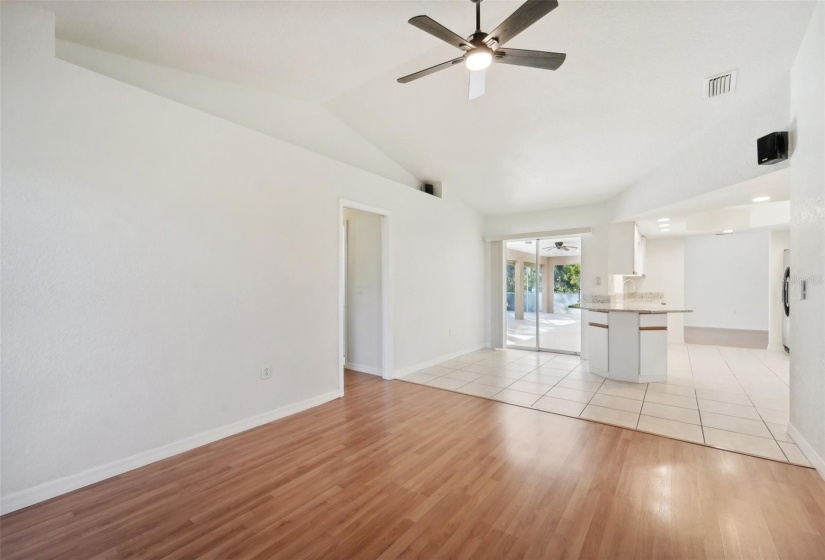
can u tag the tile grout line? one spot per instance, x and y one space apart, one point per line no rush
647 387
644 397
699 412
769 367
492 398
756 409
742 387
588 400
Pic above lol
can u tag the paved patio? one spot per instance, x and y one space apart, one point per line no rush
558 331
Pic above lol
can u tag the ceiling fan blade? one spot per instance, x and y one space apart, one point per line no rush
527 14
426 23
533 59
477 83
430 70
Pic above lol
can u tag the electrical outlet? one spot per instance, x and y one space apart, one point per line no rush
266 372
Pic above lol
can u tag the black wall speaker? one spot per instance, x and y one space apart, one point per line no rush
428 188
772 148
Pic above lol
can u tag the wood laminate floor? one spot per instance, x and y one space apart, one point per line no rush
401 470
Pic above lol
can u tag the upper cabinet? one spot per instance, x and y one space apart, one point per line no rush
638 252
626 250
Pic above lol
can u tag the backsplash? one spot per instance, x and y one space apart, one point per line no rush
595 298
645 296
630 296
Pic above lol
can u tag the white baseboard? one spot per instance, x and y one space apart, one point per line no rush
372 370
409 369
810 453
48 490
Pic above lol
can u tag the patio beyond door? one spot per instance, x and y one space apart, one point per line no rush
541 282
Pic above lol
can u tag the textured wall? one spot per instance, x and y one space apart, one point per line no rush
808 235
154 256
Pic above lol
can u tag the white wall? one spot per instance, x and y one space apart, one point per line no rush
298 122
665 272
154 257
363 291
494 284
779 241
807 375
726 281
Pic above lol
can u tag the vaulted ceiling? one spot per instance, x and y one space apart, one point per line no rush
626 99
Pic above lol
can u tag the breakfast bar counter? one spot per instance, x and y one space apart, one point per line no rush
627 341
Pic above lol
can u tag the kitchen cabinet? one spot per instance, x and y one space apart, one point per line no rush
639 246
627 246
597 341
628 341
652 346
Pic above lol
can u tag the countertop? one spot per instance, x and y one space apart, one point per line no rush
632 307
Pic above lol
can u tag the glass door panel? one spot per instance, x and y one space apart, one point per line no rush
521 291
559 326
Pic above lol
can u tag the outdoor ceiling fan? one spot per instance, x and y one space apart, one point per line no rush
482 49
560 246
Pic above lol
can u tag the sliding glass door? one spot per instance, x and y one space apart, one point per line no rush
521 286
541 282
559 324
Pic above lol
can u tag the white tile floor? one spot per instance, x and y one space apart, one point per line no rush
730 398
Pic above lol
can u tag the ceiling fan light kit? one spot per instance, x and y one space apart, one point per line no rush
481 49
479 58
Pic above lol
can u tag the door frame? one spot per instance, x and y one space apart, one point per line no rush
386 288
502 261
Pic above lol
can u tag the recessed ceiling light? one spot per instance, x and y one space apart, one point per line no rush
664 219
761 199
664 225
665 230
727 231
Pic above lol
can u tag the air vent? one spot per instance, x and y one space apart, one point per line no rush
720 84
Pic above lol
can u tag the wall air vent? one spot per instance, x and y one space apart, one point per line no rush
720 84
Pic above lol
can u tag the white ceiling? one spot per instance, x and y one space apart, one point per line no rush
626 99
731 208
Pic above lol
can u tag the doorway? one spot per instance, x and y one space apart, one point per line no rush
365 313
542 281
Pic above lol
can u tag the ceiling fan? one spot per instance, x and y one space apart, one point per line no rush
560 246
481 49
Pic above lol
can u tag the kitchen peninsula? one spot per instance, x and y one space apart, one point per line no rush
627 341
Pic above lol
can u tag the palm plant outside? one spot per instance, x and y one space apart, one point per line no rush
566 278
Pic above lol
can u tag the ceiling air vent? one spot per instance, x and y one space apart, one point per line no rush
719 84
